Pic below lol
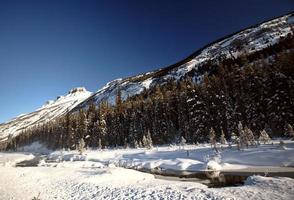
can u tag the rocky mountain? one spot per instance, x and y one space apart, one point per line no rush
247 41
50 110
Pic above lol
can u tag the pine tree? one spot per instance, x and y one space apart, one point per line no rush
149 140
212 139
249 136
264 137
234 138
243 139
144 141
223 138
81 146
82 125
136 144
290 131
99 144
183 141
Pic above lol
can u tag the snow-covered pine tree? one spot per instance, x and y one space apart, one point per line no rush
223 138
249 136
126 145
136 144
183 141
102 127
212 138
99 144
81 146
144 141
92 118
149 140
290 131
264 137
243 140
82 124
234 138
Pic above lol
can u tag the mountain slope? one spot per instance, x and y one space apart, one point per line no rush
244 42
47 112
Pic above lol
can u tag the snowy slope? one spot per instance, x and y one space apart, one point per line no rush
247 41
47 112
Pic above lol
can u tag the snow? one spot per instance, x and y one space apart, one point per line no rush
191 158
103 174
147 83
11 158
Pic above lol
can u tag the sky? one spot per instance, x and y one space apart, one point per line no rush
49 47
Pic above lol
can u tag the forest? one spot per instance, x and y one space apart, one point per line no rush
256 90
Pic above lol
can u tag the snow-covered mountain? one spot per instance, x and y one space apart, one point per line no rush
50 110
246 41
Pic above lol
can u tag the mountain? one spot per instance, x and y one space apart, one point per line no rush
244 42
247 41
47 112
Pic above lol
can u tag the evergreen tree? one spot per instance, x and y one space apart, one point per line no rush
183 141
290 131
149 140
81 146
264 137
212 138
223 138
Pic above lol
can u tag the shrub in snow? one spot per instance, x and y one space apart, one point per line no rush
37 197
264 137
81 146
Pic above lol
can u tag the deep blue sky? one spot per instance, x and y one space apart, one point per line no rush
49 47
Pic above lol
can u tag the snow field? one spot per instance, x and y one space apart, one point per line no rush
99 174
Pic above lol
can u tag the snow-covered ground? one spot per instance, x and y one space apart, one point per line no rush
119 183
102 174
187 158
